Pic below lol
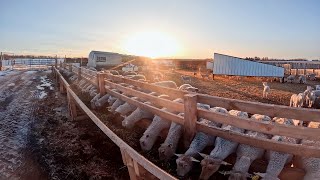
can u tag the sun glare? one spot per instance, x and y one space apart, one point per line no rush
152 44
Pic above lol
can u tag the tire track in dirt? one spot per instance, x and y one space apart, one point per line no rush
16 116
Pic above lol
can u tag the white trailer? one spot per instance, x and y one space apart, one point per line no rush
229 65
103 59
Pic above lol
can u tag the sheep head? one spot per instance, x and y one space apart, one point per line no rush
210 165
184 164
265 83
147 141
166 151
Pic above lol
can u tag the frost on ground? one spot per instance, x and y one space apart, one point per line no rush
38 141
16 111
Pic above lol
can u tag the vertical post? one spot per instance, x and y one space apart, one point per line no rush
190 118
1 61
101 84
79 74
56 62
62 89
72 106
70 67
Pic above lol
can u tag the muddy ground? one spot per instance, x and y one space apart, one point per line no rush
38 141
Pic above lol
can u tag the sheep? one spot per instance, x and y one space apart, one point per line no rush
277 160
188 87
317 87
302 79
311 165
158 124
291 78
185 78
223 148
246 154
199 142
184 87
102 101
138 77
297 100
129 73
168 148
116 104
266 89
310 99
137 115
168 84
94 100
312 77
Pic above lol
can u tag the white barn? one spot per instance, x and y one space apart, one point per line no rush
229 65
103 59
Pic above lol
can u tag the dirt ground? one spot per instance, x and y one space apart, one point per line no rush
249 89
38 141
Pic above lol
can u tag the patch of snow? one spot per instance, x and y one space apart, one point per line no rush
11 84
40 87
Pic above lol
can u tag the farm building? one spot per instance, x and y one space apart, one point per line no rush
229 65
103 59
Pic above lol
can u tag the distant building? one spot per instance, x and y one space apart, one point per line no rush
103 59
229 65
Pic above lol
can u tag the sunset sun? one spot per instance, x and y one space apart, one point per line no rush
152 44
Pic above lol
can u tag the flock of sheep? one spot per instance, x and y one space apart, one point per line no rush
222 147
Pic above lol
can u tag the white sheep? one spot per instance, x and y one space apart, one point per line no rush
277 160
297 100
199 142
137 115
158 124
169 84
126 108
116 104
311 165
266 89
188 87
302 79
102 101
185 78
291 78
168 148
138 77
223 148
246 154
94 100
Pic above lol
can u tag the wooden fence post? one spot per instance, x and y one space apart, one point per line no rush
190 118
79 74
101 84
70 67
62 88
71 106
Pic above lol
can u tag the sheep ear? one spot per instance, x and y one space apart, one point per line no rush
203 155
194 159
225 163
178 155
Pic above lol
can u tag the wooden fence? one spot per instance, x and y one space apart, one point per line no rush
107 82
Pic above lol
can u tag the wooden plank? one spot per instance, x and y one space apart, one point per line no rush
145 163
261 108
174 93
290 131
296 149
163 114
174 106
190 118
102 89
